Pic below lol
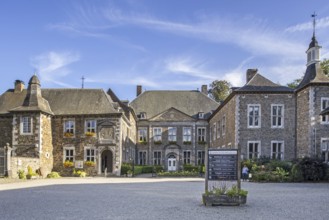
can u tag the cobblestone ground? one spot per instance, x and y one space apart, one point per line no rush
138 198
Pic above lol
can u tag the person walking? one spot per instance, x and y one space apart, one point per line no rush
245 172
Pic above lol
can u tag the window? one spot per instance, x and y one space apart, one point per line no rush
142 158
201 115
277 116
69 153
218 128
253 149
223 125
201 157
324 105
325 144
157 134
277 150
253 116
143 115
187 134
202 134
90 126
157 158
142 134
26 125
214 132
309 56
172 134
187 157
90 154
69 128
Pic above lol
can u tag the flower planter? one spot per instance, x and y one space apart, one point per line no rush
223 200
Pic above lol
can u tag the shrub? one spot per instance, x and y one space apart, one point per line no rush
178 174
53 175
158 168
190 168
273 164
296 173
138 170
21 174
125 167
79 173
313 169
30 172
147 169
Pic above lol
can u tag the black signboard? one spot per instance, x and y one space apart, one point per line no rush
222 164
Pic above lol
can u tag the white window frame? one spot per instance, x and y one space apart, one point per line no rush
214 129
65 155
202 135
223 125
201 155
68 129
157 134
201 115
218 129
277 116
258 149
29 121
90 157
142 157
277 153
172 134
187 134
142 134
324 118
187 155
90 126
157 160
259 116
324 140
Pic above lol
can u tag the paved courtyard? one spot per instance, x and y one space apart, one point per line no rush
153 198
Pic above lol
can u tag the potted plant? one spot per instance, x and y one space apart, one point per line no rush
68 164
90 134
90 163
225 196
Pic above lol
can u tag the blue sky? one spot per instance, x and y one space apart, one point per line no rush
159 44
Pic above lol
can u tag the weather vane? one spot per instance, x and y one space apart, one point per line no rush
83 81
314 22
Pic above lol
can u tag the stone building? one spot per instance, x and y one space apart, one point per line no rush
265 119
172 127
43 128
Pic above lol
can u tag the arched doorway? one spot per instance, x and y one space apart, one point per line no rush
107 161
172 163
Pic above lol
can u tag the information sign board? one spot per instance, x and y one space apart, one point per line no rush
222 164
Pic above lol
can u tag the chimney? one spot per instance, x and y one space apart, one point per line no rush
251 73
19 86
204 89
139 90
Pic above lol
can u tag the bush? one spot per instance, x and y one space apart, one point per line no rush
138 170
30 172
313 169
21 174
190 168
178 174
296 173
79 173
125 167
273 164
147 169
53 175
158 168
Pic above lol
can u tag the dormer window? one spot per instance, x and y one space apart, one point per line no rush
201 115
142 115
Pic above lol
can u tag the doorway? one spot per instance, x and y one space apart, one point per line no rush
107 161
172 163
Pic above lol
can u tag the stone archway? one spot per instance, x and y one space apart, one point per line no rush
107 161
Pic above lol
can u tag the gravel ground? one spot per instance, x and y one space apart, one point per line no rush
142 198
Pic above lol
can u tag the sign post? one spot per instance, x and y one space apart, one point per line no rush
223 165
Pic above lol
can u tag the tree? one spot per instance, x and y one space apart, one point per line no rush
219 90
325 67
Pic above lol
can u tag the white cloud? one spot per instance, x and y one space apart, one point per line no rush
320 23
51 66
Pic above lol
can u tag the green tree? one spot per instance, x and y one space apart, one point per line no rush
219 90
325 67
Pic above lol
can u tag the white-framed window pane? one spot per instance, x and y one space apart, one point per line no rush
253 116
26 124
142 134
142 158
187 134
172 131
187 157
201 157
91 126
157 134
69 154
324 105
201 134
69 127
253 150
157 158
90 154
277 150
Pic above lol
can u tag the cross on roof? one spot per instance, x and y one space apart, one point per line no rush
83 81
314 22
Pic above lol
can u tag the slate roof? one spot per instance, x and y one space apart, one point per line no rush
62 101
313 74
314 43
261 84
189 102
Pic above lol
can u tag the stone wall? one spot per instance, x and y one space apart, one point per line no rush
224 139
21 163
46 146
303 123
265 134
79 141
6 124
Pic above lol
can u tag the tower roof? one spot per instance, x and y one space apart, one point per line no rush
314 43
